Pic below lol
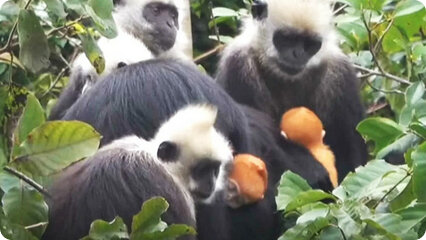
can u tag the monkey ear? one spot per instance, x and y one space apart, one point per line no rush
168 151
259 9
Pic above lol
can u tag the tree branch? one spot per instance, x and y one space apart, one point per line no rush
383 74
28 180
209 53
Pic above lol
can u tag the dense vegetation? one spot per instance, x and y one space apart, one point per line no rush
385 39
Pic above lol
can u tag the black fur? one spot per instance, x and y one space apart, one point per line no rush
71 93
329 89
112 183
137 98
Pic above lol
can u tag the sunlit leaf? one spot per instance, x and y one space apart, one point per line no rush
100 230
291 185
305 230
419 174
55 145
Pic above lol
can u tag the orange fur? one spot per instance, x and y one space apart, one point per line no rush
302 126
251 177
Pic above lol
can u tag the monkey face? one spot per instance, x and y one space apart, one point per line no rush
163 21
154 22
294 49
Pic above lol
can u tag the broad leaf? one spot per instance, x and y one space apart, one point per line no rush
419 129
306 197
419 173
32 117
366 179
34 51
92 50
55 145
291 185
224 12
148 220
101 13
344 220
408 7
399 146
25 207
56 7
414 93
100 230
405 198
171 232
8 181
382 131
305 230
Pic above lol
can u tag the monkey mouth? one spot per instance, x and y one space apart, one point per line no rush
288 68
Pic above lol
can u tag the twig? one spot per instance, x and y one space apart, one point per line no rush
209 53
379 41
383 74
61 73
40 224
392 91
390 190
12 32
376 108
28 180
69 24
375 60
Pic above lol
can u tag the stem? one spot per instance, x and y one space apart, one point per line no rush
392 91
55 82
40 224
383 74
209 53
390 190
69 24
216 29
28 180
373 53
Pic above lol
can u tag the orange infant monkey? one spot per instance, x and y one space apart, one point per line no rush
302 126
249 179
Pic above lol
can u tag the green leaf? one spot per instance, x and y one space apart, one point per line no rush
101 13
14 231
399 146
405 198
382 131
408 7
8 181
34 51
100 230
419 172
224 12
32 117
391 226
305 230
55 145
413 215
171 232
366 179
414 93
419 129
25 207
92 51
316 210
291 185
148 220
344 220
331 232
56 7
304 198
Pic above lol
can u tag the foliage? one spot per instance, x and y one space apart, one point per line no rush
385 40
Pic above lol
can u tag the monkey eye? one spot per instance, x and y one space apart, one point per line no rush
168 152
156 10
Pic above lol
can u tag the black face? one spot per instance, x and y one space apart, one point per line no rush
204 174
164 25
295 49
168 152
